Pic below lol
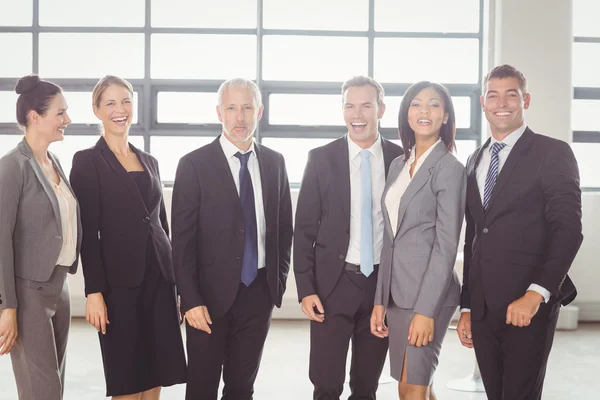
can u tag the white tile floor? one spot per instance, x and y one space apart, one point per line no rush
573 371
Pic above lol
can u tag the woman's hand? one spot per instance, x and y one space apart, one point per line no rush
95 312
8 330
420 332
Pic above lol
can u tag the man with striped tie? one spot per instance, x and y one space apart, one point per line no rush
523 232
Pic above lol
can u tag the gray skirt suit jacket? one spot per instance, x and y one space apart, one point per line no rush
416 272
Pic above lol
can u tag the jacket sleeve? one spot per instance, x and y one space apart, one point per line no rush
86 185
308 216
11 186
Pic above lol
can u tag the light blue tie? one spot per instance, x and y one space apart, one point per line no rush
366 215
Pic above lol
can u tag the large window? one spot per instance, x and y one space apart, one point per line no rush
177 52
586 81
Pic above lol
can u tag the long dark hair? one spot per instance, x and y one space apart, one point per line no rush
34 94
407 135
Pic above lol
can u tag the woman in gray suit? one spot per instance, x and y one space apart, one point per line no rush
40 236
423 206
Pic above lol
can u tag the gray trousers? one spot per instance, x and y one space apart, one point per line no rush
43 318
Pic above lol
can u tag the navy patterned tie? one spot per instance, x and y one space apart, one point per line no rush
250 260
492 175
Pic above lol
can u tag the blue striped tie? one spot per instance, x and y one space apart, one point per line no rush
492 175
366 220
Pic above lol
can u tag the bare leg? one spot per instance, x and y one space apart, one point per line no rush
410 392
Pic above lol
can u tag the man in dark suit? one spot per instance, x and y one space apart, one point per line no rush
338 240
523 232
232 237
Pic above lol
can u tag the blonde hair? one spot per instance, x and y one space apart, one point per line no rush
365 81
104 84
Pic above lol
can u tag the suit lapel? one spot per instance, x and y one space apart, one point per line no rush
222 173
419 180
388 154
341 166
473 187
391 178
153 176
44 181
263 165
513 159
120 171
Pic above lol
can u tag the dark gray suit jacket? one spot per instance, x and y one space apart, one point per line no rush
30 224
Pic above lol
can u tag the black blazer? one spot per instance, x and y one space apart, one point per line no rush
208 235
323 216
116 222
531 231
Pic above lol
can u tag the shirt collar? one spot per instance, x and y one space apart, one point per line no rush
512 138
354 149
424 155
230 149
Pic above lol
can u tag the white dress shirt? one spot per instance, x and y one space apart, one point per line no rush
482 170
377 184
399 186
234 164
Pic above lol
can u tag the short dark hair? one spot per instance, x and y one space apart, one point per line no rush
34 94
407 135
506 71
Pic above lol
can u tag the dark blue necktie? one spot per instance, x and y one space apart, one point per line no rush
250 260
492 175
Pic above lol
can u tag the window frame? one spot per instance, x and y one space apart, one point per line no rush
148 88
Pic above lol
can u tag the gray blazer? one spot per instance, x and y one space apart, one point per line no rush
30 224
417 261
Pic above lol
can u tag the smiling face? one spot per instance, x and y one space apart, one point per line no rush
115 110
50 127
426 114
362 114
504 105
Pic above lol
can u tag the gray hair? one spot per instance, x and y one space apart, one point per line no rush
240 83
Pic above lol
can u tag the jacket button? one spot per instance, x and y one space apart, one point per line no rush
341 256
146 219
238 259
0 301
241 231
485 230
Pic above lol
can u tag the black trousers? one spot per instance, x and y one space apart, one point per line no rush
347 316
234 347
513 360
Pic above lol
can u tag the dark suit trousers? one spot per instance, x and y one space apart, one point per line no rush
513 360
235 346
347 316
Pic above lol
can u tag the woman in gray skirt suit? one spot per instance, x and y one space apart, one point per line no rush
423 206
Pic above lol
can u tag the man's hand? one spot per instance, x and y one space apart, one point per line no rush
464 330
8 330
308 305
199 318
96 312
378 327
521 311
420 332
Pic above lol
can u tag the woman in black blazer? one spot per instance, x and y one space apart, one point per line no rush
126 254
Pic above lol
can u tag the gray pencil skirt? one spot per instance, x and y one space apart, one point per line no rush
421 362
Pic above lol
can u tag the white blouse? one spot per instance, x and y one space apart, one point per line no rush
68 217
399 186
